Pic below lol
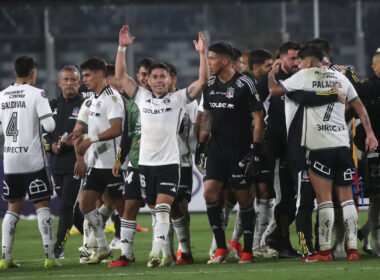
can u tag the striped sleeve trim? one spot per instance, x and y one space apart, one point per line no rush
250 84
45 116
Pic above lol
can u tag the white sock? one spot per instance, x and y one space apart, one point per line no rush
96 222
8 230
182 229
350 219
326 222
213 246
227 213
262 220
162 229
45 225
374 219
105 212
127 235
154 220
339 230
238 228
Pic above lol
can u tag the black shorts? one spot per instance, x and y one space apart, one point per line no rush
185 184
101 179
132 189
37 185
334 165
227 171
159 179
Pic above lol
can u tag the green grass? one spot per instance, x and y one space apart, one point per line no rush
28 251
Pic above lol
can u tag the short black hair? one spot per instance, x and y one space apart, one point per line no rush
146 63
289 45
158 65
172 69
236 53
258 57
311 51
94 64
320 43
110 70
24 65
222 48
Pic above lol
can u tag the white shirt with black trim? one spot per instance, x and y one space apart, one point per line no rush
160 123
22 108
323 126
97 112
187 139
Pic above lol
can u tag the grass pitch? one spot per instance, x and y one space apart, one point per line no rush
28 251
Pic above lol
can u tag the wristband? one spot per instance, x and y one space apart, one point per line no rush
94 138
121 49
255 146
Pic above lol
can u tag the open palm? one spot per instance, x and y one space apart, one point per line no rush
124 38
200 46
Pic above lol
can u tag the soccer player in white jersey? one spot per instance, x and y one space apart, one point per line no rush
23 109
104 117
326 139
161 114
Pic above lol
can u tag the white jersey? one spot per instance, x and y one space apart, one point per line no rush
22 108
97 113
187 139
160 123
323 126
200 106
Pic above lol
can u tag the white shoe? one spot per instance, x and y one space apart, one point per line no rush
100 254
115 244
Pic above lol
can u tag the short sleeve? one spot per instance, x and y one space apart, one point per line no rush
140 94
206 104
115 108
352 95
183 96
295 82
251 96
83 112
200 105
43 106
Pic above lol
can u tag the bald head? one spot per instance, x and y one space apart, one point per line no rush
376 64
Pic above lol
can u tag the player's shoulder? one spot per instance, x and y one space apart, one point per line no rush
211 81
242 80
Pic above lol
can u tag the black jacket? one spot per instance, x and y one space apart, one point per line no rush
65 113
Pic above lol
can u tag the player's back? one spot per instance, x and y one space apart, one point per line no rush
22 108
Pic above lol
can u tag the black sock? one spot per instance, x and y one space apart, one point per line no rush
215 217
248 225
117 226
78 218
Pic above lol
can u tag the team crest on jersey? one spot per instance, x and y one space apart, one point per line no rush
166 101
98 104
230 92
75 112
239 83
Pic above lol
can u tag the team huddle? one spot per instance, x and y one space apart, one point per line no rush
270 135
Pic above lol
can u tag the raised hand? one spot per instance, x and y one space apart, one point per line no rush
124 37
200 46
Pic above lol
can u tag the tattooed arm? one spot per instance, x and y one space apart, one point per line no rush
205 126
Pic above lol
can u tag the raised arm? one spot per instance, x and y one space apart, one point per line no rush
129 85
196 88
274 88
